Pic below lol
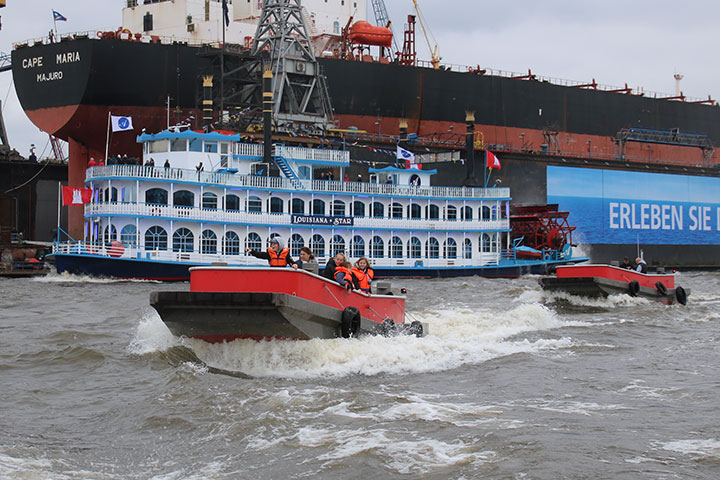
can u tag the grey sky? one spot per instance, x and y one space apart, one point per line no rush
640 42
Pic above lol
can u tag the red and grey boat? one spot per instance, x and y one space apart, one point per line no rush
604 280
229 303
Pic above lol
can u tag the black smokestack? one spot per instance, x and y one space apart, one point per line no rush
470 179
267 113
207 102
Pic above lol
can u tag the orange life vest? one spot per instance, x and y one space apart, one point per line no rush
363 278
348 275
278 259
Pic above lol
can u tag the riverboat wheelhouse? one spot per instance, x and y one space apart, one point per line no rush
157 221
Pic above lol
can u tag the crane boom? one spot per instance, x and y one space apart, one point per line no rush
435 58
382 19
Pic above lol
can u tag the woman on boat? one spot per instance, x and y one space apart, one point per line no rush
343 275
307 258
329 271
278 255
362 274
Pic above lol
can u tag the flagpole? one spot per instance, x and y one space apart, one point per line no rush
107 141
485 177
58 213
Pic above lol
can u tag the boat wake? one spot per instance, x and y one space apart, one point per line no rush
66 277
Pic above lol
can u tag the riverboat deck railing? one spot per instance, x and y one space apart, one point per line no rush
278 183
340 157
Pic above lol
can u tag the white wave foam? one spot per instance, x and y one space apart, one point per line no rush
151 335
700 448
642 389
66 277
611 301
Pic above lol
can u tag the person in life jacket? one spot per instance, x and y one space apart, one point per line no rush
278 255
329 270
362 274
343 275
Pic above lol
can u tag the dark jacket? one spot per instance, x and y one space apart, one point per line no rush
329 270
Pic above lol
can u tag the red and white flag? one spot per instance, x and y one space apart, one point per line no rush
76 195
492 160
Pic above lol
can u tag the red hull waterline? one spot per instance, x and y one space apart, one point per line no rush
227 303
604 280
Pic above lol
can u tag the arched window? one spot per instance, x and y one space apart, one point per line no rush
414 211
485 212
318 207
451 213
231 244
396 247
232 202
208 242
357 247
254 204
109 234
358 208
432 212
414 248
111 194
395 210
157 196
275 205
450 248
338 208
128 235
466 213
378 210
317 245
209 200
337 245
298 206
296 243
485 243
253 241
377 247
468 248
183 240
156 238
336 27
183 198
432 248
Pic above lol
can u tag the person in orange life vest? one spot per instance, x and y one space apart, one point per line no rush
362 274
329 270
278 255
343 275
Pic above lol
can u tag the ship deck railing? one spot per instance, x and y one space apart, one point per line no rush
209 215
240 258
280 183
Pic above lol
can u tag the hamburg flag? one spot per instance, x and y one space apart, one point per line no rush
120 124
492 160
76 195
58 17
406 155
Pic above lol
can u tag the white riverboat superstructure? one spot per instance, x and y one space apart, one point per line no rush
209 196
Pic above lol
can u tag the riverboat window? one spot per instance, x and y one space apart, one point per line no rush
128 235
378 210
157 196
358 209
183 240
296 243
210 147
232 202
485 212
337 245
414 248
111 194
395 210
466 213
208 242
432 248
156 238
413 211
317 245
377 247
396 247
451 213
275 205
109 234
195 144
298 206
209 200
486 245
450 248
159 146
468 248
127 195
178 145
253 241
432 212
184 198
231 244
338 208
357 246
254 205
318 207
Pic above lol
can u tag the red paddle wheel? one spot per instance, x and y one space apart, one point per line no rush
542 227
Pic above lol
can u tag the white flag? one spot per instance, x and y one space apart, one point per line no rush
120 124
406 155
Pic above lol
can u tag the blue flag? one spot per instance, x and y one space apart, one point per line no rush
57 16
225 12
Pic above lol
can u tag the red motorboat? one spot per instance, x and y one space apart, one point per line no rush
604 280
227 303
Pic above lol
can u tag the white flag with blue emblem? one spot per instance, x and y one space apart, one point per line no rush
120 124
406 155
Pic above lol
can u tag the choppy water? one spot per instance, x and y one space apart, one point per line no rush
510 384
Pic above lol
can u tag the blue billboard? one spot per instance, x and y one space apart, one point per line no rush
618 207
